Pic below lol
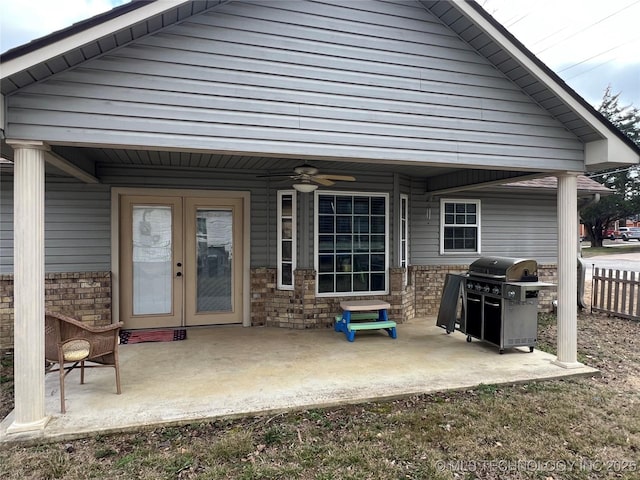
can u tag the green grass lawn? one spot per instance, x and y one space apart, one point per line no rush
627 247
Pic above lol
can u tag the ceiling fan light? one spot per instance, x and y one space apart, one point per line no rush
305 187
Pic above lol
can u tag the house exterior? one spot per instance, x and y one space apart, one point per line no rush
150 144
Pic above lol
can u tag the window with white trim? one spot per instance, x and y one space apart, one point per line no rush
404 234
351 245
459 226
286 238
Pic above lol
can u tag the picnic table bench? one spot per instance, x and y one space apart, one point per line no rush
374 310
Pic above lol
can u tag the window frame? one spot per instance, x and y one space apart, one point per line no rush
477 225
316 242
294 243
404 236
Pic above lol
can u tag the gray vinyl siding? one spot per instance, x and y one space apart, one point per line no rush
6 224
514 225
78 216
78 230
77 226
369 79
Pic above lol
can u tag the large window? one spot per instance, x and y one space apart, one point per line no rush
286 239
351 243
459 226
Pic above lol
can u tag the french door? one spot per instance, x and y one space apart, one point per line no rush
180 261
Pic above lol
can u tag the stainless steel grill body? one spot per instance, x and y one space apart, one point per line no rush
501 302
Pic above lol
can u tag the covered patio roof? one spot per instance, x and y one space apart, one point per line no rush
229 371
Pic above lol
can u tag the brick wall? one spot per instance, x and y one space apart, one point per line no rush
85 296
547 273
428 281
300 308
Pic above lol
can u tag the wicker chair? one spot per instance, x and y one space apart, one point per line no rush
71 342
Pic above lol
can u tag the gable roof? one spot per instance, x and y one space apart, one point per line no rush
71 30
485 34
96 36
605 145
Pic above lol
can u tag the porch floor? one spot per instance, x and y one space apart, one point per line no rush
230 371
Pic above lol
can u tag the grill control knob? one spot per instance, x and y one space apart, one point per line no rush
478 287
511 294
487 288
495 290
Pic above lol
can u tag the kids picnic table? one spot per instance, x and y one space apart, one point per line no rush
373 310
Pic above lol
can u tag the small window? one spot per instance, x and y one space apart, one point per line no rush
404 234
286 238
459 226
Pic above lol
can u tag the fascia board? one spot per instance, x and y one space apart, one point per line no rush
79 39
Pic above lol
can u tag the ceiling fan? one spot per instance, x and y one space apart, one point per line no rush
306 176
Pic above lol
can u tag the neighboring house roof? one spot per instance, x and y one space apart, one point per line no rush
94 37
585 185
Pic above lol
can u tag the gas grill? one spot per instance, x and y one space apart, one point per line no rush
501 302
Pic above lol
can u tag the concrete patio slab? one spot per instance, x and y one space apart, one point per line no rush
230 371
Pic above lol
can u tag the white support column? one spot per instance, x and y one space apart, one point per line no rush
28 293
567 271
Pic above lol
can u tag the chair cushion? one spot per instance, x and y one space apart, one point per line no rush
76 350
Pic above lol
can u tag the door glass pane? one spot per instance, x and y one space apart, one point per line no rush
215 253
152 260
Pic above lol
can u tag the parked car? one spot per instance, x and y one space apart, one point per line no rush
608 233
628 233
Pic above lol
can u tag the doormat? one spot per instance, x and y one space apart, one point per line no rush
164 335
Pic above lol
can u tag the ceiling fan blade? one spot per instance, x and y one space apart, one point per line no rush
342 178
322 181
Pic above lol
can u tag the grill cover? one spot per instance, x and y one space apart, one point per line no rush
505 269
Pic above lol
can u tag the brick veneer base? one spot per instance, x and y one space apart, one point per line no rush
86 296
300 308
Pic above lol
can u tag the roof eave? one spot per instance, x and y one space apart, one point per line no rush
59 35
33 53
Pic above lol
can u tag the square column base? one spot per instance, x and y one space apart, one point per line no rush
15 427
567 365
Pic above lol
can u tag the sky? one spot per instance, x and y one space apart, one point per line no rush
589 43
